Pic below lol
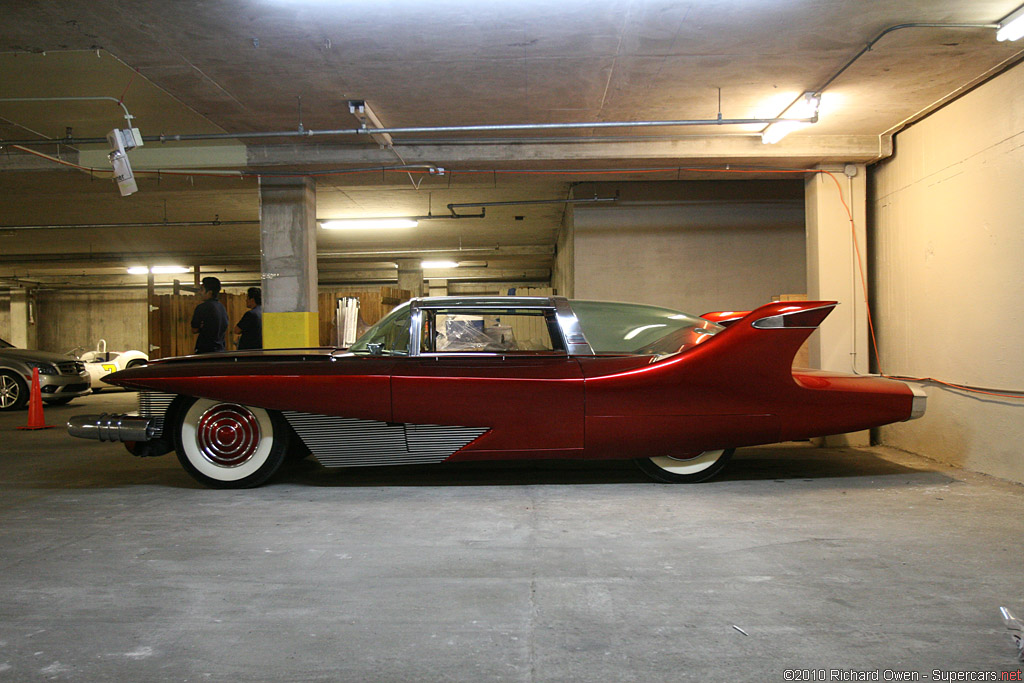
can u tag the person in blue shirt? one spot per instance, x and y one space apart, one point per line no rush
210 319
250 327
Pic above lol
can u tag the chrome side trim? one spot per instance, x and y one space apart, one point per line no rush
483 302
920 402
154 404
350 442
415 328
575 343
775 322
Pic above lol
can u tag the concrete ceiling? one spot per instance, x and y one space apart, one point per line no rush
239 67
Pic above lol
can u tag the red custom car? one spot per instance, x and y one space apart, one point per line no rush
455 379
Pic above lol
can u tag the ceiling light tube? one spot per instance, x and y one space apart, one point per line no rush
1012 27
368 223
806 108
429 265
157 270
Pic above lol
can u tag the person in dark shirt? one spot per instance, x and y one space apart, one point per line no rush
250 327
210 319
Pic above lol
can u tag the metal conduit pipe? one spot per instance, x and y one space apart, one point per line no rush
127 115
164 224
306 132
484 205
887 31
143 257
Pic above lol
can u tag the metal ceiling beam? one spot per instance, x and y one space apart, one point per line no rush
231 278
114 259
834 148
522 155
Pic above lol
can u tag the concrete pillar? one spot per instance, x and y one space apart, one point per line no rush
289 270
410 276
23 328
437 287
833 273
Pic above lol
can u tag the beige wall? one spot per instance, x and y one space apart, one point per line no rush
948 217
562 271
696 246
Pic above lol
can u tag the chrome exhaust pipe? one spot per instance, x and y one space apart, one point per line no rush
110 427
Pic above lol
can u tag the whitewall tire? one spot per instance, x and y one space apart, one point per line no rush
228 445
686 470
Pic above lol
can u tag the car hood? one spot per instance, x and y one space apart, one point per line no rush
29 354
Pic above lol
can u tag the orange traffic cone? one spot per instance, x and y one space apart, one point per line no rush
35 405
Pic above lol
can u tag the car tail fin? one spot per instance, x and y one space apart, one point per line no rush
766 339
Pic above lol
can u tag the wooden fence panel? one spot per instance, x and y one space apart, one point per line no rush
170 323
374 304
170 316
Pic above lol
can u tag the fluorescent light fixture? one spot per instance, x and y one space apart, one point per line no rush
428 265
157 270
369 223
1012 27
806 107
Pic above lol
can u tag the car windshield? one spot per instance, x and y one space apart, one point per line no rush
633 328
389 337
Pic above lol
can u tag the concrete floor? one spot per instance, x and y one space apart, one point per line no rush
121 568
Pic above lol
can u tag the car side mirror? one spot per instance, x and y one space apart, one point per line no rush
375 348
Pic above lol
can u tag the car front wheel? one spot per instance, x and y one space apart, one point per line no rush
13 391
686 470
228 445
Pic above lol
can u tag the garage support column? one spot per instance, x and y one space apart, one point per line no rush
23 329
833 273
289 268
410 276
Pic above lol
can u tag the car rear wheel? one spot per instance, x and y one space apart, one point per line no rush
228 445
686 470
13 391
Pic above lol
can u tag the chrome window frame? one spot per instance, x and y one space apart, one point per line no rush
573 341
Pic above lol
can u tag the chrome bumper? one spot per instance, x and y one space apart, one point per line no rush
109 427
920 402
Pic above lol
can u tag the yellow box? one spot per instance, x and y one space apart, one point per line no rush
289 330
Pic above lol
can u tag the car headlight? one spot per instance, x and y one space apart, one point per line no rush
44 368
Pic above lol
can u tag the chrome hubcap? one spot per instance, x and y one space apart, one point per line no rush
9 391
228 434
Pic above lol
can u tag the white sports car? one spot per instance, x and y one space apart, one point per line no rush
100 363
